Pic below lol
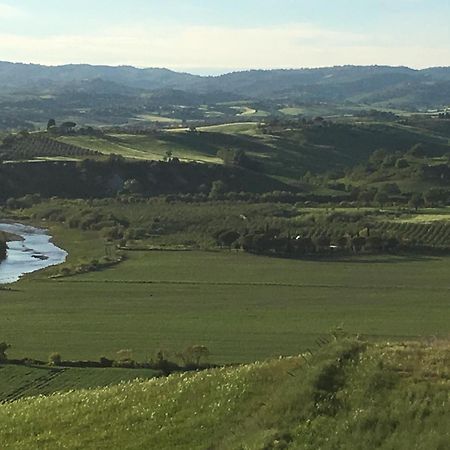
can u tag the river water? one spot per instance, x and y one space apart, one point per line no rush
34 252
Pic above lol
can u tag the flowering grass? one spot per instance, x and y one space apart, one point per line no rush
348 395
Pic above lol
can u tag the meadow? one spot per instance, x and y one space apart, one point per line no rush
242 307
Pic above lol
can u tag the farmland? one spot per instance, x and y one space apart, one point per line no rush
284 150
325 237
20 381
242 307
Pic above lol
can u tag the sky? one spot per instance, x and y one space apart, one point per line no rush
216 36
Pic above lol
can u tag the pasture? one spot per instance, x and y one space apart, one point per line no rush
242 307
147 147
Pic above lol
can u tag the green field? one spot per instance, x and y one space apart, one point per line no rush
21 381
147 147
243 307
347 395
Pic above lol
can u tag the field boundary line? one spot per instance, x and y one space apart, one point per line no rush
256 284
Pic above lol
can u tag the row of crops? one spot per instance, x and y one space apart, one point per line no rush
434 234
24 381
33 146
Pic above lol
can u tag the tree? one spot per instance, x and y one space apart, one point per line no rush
358 243
228 238
132 186
402 163
417 151
416 201
3 348
235 158
218 188
168 156
389 161
322 243
9 140
378 156
391 244
381 198
342 242
54 359
51 123
67 127
374 243
390 189
367 196
435 196
193 355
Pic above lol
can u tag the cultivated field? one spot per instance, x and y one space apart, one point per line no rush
243 307
21 381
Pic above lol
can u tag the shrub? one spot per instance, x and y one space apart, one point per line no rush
3 348
54 359
105 362
192 356
162 362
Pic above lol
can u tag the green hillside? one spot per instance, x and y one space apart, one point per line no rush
348 395
279 149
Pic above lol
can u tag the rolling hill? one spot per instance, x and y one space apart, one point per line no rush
31 94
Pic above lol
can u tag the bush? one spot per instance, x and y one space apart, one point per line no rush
162 362
54 359
105 362
3 348
192 356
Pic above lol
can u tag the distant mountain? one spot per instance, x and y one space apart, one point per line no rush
346 83
25 76
104 94
371 85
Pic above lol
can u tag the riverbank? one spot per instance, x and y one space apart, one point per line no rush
29 249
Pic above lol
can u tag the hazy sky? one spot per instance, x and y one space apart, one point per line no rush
211 36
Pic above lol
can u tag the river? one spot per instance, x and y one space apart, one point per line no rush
33 252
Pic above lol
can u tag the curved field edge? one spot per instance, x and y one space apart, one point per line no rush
348 395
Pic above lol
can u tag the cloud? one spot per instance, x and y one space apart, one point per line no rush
191 47
9 12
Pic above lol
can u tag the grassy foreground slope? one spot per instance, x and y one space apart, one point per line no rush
348 395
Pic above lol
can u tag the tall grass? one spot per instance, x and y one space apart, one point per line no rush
347 396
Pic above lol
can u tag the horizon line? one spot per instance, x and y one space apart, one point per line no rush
215 72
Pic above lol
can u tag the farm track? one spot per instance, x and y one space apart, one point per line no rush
34 386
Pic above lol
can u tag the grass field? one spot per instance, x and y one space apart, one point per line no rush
20 381
157 118
146 147
348 395
242 307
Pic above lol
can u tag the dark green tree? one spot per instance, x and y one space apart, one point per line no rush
416 201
